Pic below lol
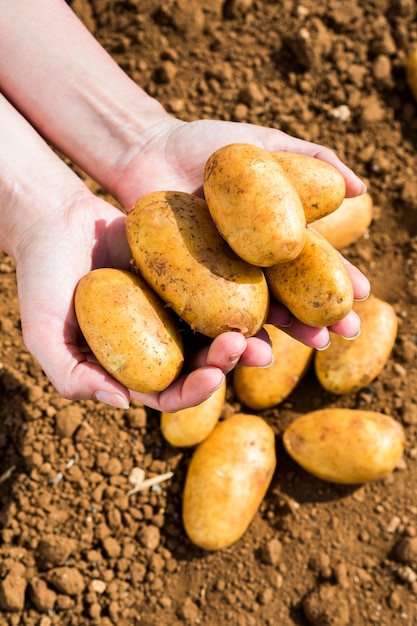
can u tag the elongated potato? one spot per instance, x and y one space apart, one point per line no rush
345 445
347 366
254 205
320 186
180 253
227 479
191 426
348 223
128 329
262 388
315 286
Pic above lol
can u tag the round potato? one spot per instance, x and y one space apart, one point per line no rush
129 330
254 205
315 286
321 186
261 388
347 366
192 425
348 223
345 445
180 253
227 479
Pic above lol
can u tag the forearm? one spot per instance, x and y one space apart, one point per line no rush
33 180
65 83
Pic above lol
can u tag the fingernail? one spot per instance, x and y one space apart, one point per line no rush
112 399
264 367
324 347
364 298
354 336
234 358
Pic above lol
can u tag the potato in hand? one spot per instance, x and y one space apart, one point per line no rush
254 204
128 329
180 253
315 286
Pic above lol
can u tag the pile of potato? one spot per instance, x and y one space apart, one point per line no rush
213 264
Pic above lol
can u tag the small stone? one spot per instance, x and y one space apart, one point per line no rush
67 580
67 420
41 595
54 550
111 547
188 611
406 550
327 605
270 553
12 593
149 537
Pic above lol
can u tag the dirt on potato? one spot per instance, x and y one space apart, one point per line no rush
76 548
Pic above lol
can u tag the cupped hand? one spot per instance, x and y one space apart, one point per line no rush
58 251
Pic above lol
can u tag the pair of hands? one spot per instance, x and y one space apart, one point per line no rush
88 233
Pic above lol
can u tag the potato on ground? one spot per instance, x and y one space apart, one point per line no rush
227 479
190 426
345 446
347 366
129 330
348 223
179 251
320 186
315 286
261 388
254 204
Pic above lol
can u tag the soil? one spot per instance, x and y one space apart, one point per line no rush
75 548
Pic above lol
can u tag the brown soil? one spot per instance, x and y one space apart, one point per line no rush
75 548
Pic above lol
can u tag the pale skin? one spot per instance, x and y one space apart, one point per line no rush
60 88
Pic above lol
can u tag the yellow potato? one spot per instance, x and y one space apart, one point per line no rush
191 426
180 253
254 205
348 223
262 388
345 445
227 479
315 286
347 366
321 186
128 329
411 71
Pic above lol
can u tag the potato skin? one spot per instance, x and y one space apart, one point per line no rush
254 205
128 329
192 425
315 286
348 223
346 446
320 186
181 254
262 388
347 366
226 481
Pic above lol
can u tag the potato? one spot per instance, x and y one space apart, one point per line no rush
227 479
345 445
315 286
321 186
262 388
347 366
191 426
128 329
254 205
411 71
348 223
180 253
